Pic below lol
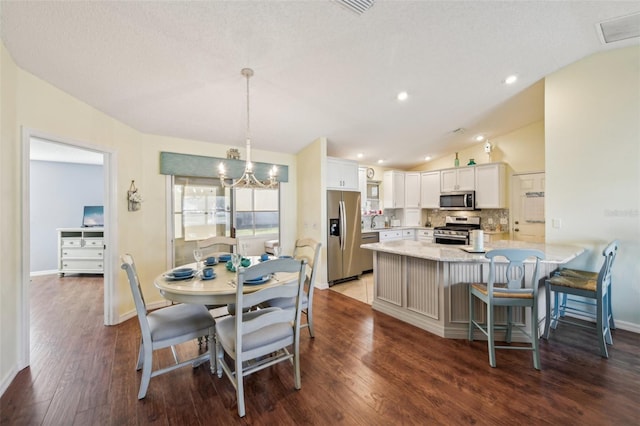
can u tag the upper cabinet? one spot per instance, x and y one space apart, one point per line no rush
412 190
342 174
459 179
430 190
491 186
393 182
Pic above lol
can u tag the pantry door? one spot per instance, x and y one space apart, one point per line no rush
527 208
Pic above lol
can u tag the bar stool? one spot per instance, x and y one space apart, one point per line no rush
580 283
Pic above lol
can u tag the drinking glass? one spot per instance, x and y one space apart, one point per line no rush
197 255
277 251
236 258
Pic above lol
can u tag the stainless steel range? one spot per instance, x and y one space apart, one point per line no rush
457 230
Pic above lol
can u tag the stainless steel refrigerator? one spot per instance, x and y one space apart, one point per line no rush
343 242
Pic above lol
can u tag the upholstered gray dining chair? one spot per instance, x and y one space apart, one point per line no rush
260 338
309 250
510 289
166 327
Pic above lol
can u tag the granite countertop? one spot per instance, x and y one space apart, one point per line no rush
554 253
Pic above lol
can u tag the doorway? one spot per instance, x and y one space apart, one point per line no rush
107 187
527 209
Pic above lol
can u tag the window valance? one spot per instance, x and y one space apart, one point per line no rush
172 163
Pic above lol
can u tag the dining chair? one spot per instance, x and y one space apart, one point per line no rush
260 338
166 327
579 305
509 290
309 250
583 285
211 245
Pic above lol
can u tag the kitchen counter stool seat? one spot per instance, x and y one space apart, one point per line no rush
512 293
583 285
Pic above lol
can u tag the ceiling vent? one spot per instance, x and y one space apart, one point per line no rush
618 29
357 6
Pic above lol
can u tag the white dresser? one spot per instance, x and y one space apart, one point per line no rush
80 251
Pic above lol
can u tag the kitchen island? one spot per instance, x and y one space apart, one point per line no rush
426 284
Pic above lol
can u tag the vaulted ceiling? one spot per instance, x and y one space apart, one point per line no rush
173 68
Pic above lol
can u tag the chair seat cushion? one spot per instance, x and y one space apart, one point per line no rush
563 281
288 302
177 320
225 331
577 273
502 291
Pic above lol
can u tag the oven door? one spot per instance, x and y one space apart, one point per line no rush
451 239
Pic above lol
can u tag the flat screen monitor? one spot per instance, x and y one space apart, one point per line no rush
93 216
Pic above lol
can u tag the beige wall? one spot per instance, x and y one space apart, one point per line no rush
312 204
28 102
523 150
10 243
593 166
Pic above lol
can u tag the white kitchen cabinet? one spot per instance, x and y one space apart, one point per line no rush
342 174
390 235
362 187
430 190
408 234
80 251
491 186
393 182
412 190
412 217
425 235
459 179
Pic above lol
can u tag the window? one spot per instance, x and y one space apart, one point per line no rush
257 212
203 209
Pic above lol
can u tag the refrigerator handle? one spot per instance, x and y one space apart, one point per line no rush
343 225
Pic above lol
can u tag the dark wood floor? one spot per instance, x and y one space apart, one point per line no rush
363 368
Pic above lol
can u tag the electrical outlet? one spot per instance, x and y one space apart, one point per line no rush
556 223
503 221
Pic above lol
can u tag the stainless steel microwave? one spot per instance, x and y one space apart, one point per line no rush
464 200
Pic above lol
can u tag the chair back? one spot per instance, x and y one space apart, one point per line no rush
129 266
515 271
309 250
604 276
211 243
291 289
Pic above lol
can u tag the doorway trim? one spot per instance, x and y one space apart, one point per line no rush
110 235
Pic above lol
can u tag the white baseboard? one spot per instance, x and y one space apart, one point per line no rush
6 381
40 273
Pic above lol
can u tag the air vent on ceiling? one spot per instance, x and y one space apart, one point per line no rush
618 29
357 6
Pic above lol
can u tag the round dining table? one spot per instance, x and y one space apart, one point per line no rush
220 290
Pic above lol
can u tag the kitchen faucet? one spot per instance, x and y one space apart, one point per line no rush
373 222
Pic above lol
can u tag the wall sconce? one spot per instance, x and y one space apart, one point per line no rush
134 198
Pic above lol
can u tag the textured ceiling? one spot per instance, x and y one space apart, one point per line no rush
173 68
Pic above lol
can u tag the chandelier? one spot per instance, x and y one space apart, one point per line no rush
248 178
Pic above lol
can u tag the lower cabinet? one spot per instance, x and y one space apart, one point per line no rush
80 251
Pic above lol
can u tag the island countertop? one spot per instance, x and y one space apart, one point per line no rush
554 253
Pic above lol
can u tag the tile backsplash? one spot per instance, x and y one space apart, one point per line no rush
489 218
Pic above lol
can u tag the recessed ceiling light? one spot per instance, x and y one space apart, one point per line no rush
360 155
511 79
402 96
479 138
427 158
380 161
